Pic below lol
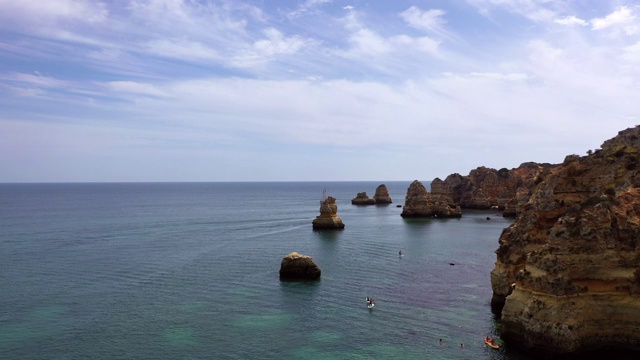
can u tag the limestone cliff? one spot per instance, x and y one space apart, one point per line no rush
382 195
418 203
486 188
567 275
328 218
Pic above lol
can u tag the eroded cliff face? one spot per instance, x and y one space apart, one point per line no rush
419 203
567 275
486 188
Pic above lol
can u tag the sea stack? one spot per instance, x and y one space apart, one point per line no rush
363 199
295 266
418 203
328 218
382 195
567 275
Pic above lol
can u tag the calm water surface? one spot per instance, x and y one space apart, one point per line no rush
190 271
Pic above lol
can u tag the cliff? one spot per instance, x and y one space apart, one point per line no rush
418 203
567 275
486 188
328 218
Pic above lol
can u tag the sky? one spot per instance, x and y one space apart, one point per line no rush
310 90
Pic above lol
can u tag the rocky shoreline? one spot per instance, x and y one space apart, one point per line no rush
567 275
567 271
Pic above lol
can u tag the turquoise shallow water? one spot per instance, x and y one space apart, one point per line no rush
190 271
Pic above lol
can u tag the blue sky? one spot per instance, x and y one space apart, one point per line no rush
326 90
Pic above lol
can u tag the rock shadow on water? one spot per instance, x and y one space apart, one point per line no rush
325 336
40 323
264 322
181 337
327 235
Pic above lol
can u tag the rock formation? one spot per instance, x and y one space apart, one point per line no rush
418 203
382 195
328 218
486 188
567 275
363 199
298 267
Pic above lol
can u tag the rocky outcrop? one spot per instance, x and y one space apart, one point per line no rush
328 218
363 199
418 203
486 188
567 275
382 195
298 267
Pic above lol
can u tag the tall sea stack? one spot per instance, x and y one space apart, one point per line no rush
382 195
328 218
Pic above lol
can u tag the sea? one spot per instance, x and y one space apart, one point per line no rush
191 271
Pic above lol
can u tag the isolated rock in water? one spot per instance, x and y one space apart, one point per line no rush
382 195
362 199
418 203
567 275
298 267
328 218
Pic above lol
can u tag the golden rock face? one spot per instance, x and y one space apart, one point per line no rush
382 195
419 203
296 266
567 275
487 188
328 218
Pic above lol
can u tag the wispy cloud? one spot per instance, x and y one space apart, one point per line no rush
570 21
428 20
306 7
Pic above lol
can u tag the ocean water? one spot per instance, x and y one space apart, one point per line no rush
190 271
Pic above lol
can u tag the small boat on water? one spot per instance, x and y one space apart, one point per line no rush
491 343
370 303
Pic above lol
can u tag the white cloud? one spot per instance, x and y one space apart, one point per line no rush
181 49
429 20
275 43
492 75
622 15
538 11
571 21
632 53
35 79
44 12
307 7
134 88
367 42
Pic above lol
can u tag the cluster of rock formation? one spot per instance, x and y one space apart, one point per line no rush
381 197
567 276
419 203
486 188
328 218
363 199
295 266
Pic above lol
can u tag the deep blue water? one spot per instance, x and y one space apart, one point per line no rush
190 271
